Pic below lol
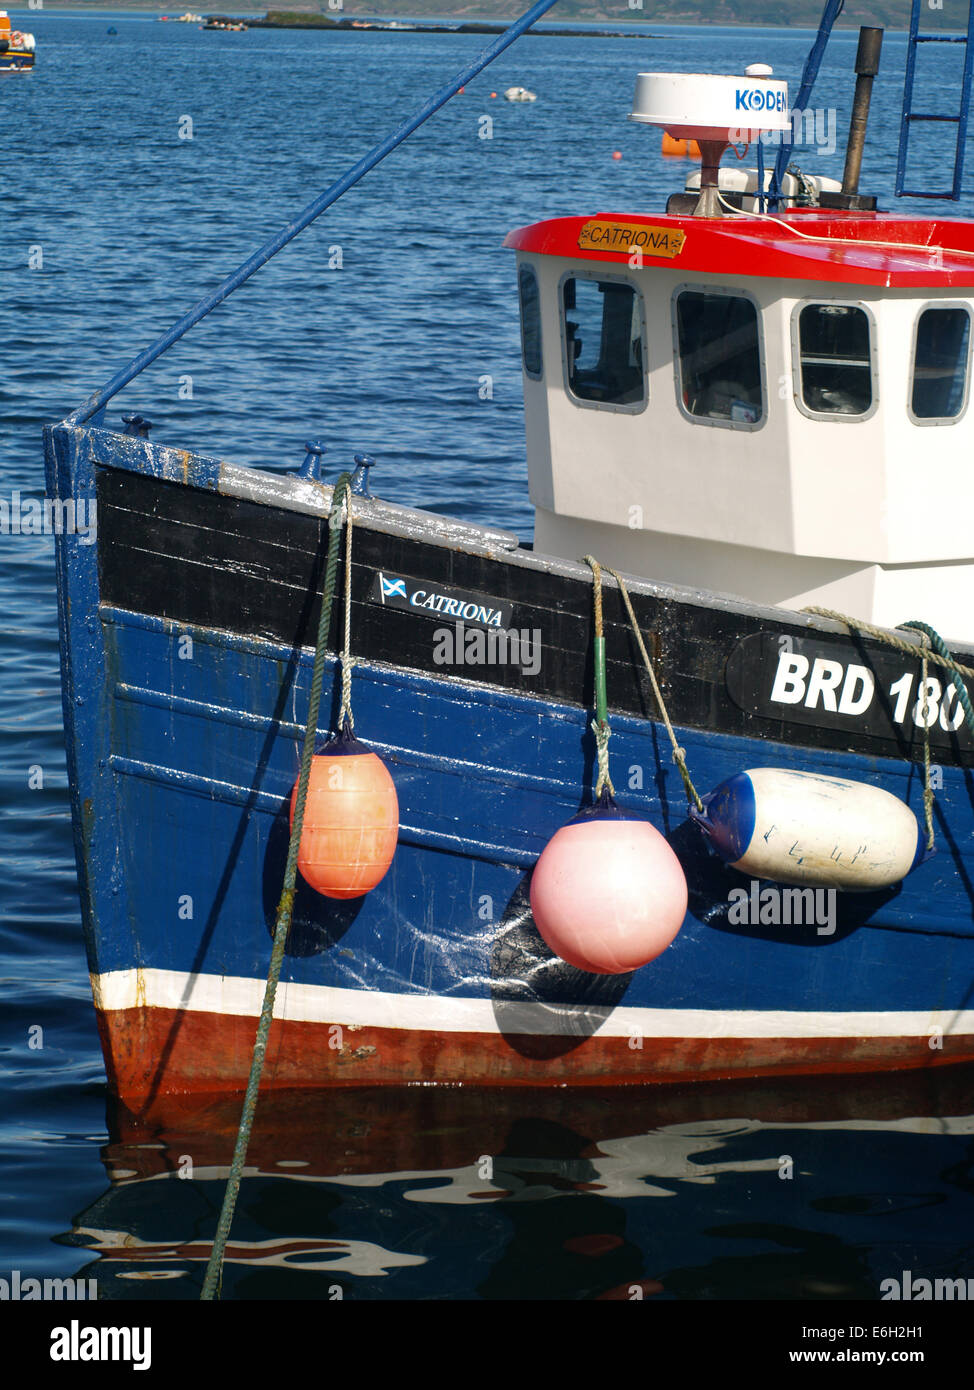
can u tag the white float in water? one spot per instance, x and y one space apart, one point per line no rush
803 828
520 94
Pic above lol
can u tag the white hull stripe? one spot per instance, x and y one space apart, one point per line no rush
233 994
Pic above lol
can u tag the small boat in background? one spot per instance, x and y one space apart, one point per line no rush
16 49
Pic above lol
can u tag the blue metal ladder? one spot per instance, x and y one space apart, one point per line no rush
910 116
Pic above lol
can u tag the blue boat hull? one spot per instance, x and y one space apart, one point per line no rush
183 743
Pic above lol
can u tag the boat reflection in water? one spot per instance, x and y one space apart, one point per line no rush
793 1189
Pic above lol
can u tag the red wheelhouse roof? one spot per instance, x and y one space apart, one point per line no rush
858 249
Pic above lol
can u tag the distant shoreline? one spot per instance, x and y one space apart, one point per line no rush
438 24
261 17
299 19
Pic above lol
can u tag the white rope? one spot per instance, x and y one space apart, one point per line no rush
602 734
930 252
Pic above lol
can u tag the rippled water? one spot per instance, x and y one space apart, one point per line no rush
126 224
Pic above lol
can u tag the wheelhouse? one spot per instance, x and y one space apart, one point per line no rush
745 404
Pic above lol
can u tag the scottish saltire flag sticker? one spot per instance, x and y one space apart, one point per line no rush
431 600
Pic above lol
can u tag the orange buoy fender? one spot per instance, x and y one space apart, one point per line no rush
673 146
608 894
351 819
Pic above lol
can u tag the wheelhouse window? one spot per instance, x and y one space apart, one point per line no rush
835 359
941 357
719 352
527 283
603 341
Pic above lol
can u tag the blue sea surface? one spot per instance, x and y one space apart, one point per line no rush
139 168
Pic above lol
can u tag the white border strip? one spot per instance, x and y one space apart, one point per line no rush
300 1003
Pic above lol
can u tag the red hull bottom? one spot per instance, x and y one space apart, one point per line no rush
154 1052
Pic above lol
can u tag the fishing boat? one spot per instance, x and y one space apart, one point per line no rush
16 47
731 403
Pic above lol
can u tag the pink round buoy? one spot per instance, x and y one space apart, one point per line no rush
608 894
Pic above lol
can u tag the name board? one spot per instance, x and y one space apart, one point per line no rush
428 599
631 236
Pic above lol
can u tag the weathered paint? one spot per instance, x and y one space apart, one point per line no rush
207 1053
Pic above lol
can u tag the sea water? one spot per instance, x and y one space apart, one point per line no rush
139 168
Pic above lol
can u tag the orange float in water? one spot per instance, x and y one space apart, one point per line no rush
351 819
680 147
608 894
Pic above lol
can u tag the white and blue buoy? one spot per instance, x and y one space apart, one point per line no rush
805 828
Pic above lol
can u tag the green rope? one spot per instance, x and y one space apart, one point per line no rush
214 1269
941 656
927 787
940 647
600 724
955 669
348 661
